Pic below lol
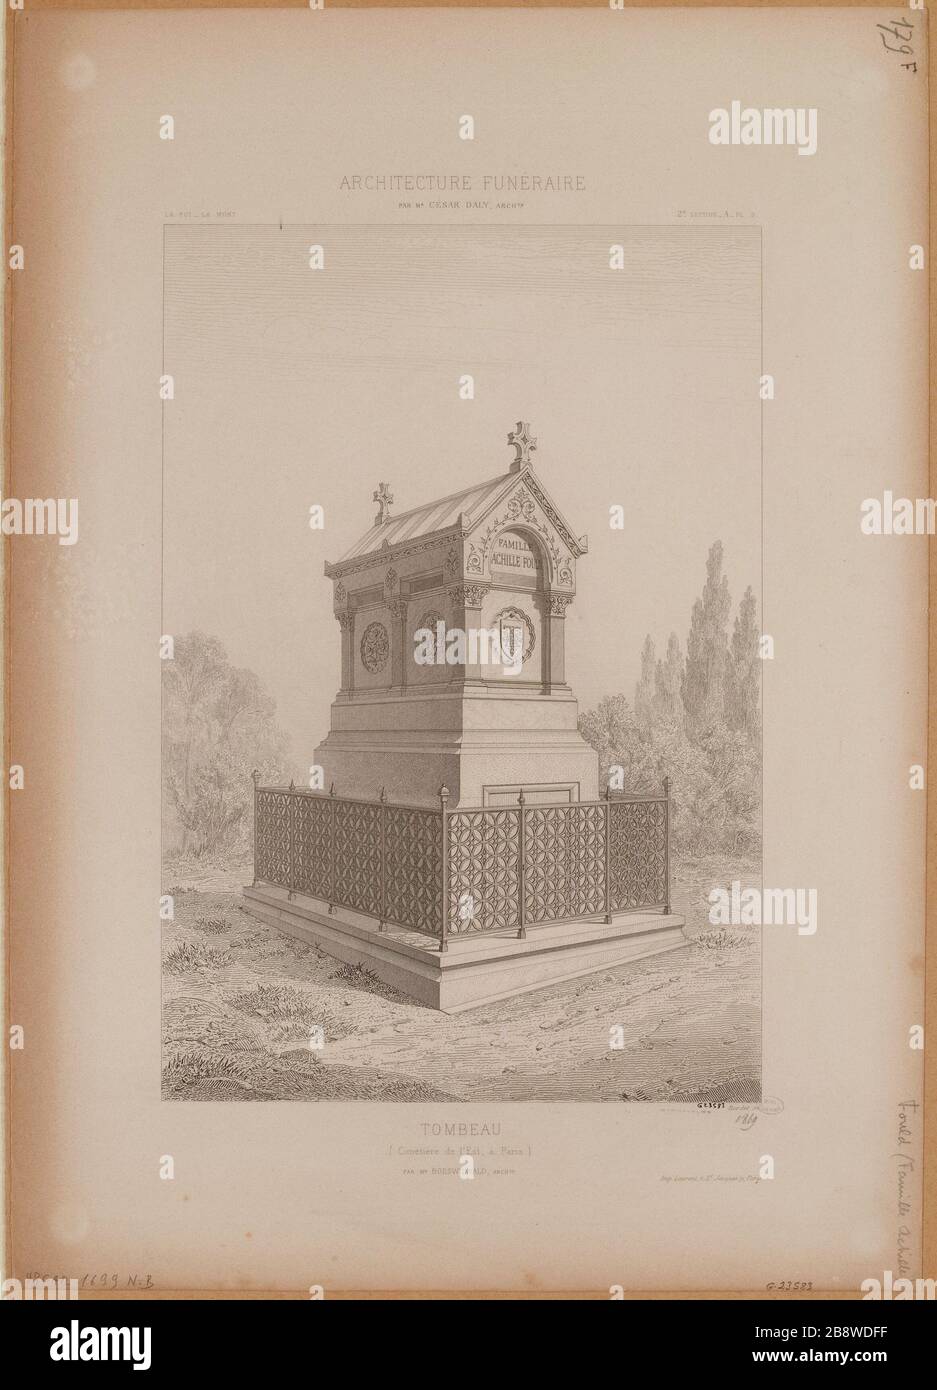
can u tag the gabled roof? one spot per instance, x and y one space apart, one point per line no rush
440 515
455 513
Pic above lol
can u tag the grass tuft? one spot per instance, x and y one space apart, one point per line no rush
186 1068
192 955
213 926
288 1014
721 940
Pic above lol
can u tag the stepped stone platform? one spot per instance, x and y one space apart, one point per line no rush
476 968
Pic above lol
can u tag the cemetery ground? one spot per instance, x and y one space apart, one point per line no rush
241 1002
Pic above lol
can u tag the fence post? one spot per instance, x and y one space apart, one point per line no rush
608 852
255 778
383 814
290 820
667 846
331 847
444 818
521 851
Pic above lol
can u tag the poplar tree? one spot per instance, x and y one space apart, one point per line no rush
743 670
644 690
668 677
707 651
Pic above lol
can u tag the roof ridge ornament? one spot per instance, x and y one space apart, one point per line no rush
524 442
384 499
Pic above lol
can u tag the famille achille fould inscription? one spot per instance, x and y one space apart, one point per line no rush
463 851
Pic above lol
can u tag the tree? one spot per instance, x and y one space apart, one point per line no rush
644 690
703 683
612 730
668 677
218 724
743 671
697 722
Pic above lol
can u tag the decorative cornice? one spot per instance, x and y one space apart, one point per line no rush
375 558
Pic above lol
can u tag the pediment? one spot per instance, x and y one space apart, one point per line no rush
526 508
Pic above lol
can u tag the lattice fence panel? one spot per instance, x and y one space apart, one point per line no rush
414 868
564 862
311 846
357 856
272 850
637 857
484 883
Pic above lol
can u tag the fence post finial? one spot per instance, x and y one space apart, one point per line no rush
292 785
383 795
255 776
331 789
444 793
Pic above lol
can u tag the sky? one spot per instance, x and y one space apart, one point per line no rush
297 387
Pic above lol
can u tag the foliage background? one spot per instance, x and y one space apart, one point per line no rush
218 725
695 717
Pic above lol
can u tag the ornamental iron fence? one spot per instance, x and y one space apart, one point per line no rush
475 869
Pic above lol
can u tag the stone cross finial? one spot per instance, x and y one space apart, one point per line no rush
383 497
524 442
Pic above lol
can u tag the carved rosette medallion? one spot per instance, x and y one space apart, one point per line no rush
375 647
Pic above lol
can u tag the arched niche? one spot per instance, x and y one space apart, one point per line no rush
517 558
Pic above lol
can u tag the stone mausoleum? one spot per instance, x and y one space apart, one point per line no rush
497 557
459 847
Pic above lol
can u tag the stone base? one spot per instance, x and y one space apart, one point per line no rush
475 969
465 737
